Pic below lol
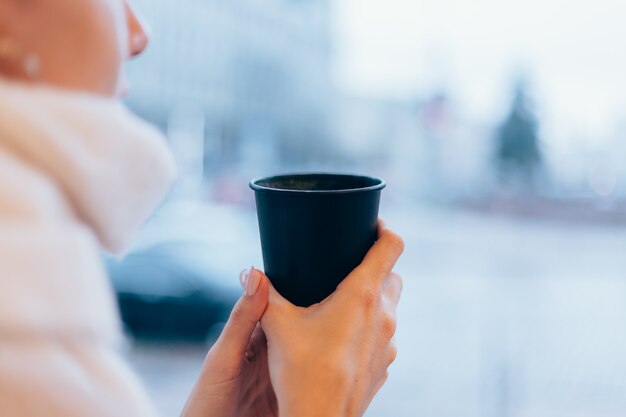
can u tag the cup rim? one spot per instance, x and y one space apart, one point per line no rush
376 187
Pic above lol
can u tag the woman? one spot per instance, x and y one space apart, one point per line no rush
79 173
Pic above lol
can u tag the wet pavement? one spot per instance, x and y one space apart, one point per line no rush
499 318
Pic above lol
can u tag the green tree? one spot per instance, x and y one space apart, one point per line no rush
518 155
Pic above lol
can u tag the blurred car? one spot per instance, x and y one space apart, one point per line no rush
172 290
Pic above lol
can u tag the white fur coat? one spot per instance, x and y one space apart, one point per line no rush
78 174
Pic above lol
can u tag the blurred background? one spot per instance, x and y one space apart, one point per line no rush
500 128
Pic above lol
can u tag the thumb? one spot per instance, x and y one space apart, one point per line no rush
235 337
279 311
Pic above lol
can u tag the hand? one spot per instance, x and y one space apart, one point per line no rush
330 359
234 381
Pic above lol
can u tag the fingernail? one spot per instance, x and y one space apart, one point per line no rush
253 281
243 277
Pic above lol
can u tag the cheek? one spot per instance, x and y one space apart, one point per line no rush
119 23
109 47
87 46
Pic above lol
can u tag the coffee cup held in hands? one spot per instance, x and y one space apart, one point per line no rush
315 229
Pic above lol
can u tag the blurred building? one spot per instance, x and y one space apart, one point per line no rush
257 74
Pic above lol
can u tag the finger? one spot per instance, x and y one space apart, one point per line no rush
233 341
380 259
392 289
278 310
392 352
257 344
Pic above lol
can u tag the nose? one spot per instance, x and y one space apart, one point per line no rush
137 35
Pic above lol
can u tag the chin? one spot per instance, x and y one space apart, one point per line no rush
123 88
121 94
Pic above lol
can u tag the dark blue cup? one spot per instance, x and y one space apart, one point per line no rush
315 229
